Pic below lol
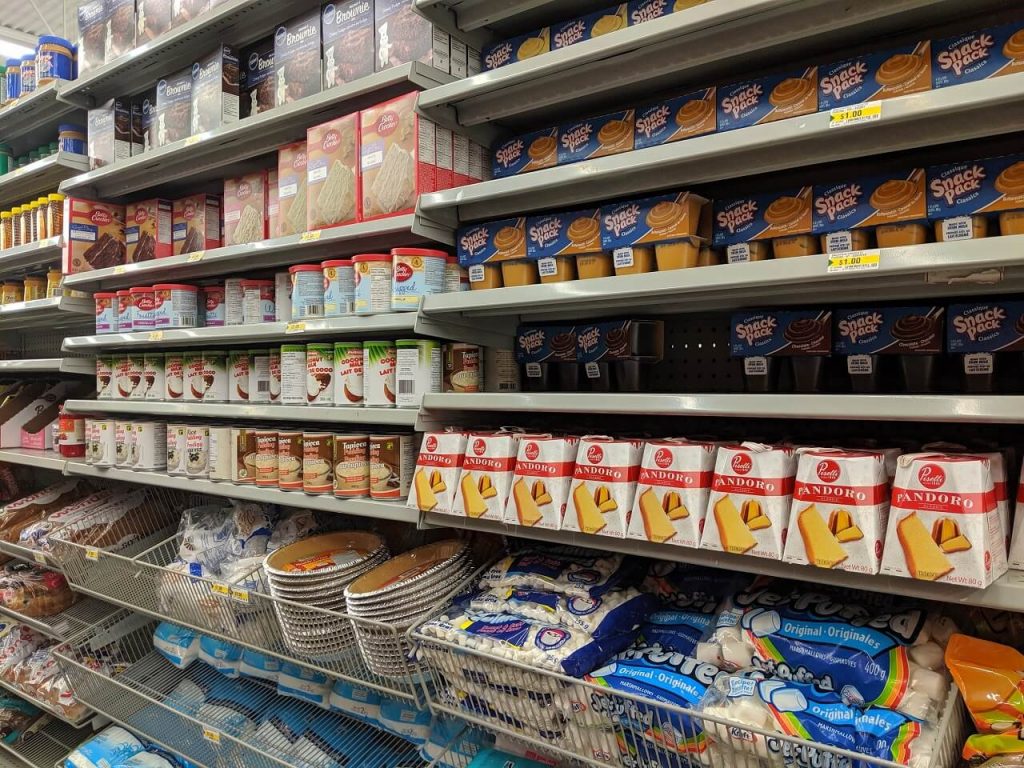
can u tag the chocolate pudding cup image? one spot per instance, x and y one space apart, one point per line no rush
566 375
616 135
918 371
979 228
803 334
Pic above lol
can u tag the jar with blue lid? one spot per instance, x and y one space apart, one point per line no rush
55 60
13 79
72 138
28 73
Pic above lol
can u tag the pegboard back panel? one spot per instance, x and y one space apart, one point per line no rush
696 357
38 342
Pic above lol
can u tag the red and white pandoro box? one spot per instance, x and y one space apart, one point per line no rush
751 494
603 486
672 492
486 477
437 471
943 521
840 510
541 481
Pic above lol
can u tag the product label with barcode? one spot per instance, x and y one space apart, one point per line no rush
593 370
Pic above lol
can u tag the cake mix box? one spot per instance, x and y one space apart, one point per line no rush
528 152
438 466
93 236
767 99
291 189
148 230
92 35
256 78
943 522
672 492
595 137
876 75
297 69
675 119
273 203
332 185
245 209
541 483
749 504
348 38
196 223
589 26
603 486
486 477
397 157
980 55
840 509
174 108
153 18
215 90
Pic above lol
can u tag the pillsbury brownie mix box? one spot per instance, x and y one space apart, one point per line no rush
174 108
402 35
767 99
595 137
871 76
675 119
256 78
978 55
297 70
348 41
215 90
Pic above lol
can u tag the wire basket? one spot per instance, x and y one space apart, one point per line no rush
590 724
147 698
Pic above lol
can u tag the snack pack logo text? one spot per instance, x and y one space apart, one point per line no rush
546 232
839 201
743 100
653 121
756 330
648 12
589 339
738 216
984 320
498 57
844 80
577 137
509 153
624 219
571 34
532 341
958 185
973 50
858 328
474 241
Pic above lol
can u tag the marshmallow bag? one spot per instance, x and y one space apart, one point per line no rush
178 645
112 746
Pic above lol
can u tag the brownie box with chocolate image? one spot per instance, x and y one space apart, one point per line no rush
196 223
93 236
174 108
215 90
110 133
152 19
92 35
348 41
402 36
148 230
297 71
186 10
256 78
120 28
144 122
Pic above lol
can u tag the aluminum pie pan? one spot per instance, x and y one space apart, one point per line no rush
404 570
317 580
427 595
303 591
310 597
380 554
360 545
437 571
321 615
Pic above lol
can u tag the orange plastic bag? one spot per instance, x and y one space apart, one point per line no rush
990 677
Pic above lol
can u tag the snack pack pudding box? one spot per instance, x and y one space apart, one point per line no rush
874 76
964 197
595 137
767 99
522 154
893 205
743 227
675 119
802 336
980 55
589 26
565 244
976 332
612 354
547 357
494 254
516 49
867 337
666 231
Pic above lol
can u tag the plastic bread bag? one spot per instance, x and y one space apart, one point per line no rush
302 683
689 598
356 701
891 660
293 526
746 703
34 591
564 570
990 677
252 527
206 536
17 643
993 751
619 610
111 746
178 645
657 675
223 656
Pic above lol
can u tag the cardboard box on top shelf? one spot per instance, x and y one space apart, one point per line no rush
144 122
297 67
402 36
256 78
348 37
197 223
153 18
215 90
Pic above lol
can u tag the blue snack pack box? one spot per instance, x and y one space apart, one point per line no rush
563 234
985 326
767 99
492 241
976 187
869 201
889 331
657 219
529 152
676 119
516 49
760 217
878 75
980 55
546 343
791 333
586 27
595 137
648 10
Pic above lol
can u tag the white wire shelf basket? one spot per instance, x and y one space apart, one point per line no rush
150 697
48 746
584 723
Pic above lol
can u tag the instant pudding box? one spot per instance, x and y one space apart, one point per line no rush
494 254
750 499
965 199
595 137
486 476
745 226
839 512
436 477
603 486
767 99
529 152
663 232
541 482
672 492
943 522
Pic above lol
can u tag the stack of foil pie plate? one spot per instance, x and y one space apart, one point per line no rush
389 599
307 580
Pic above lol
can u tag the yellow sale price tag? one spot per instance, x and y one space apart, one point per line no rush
193 140
92 554
309 237
120 269
211 735
856 261
867 112
156 335
241 595
195 256
220 589
297 327
39 557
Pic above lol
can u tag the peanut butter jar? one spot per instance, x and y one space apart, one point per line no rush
1011 223
678 254
519 272
590 265
794 245
961 228
846 240
903 233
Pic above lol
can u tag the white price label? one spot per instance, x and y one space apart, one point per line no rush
979 363
856 261
859 365
737 253
622 257
867 112
755 366
476 273
547 267
839 242
593 370
958 228
533 370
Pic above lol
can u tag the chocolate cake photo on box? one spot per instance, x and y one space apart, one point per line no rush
152 19
174 108
215 90
348 41
95 236
120 28
256 78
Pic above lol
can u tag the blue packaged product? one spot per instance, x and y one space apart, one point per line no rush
178 645
256 78
588 26
259 665
985 326
889 331
768 333
648 10
356 701
110 747
675 119
974 188
762 217
973 56
493 758
13 79
516 49
282 727
563 234
524 153
404 719
767 99
490 242
234 705
147 760
595 137
302 683
223 656
28 73
72 138
565 572
348 41
876 75
869 202
55 59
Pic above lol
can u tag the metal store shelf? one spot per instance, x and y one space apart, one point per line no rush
970 111
380 510
235 21
219 149
39 459
84 613
480 21
42 176
26 257
41 313
316 246
986 266
73 365
48 746
46 707
1005 594
33 120
966 409
700 44
397 417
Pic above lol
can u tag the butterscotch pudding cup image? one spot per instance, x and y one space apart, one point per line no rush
643 261
791 93
590 265
841 242
678 254
543 152
785 211
979 228
1014 47
532 46
610 22
693 113
509 241
565 270
491 277
904 233
583 231
794 245
616 135
682 5
519 272
901 71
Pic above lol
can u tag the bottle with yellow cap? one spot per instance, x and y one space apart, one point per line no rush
16 226
55 214
6 231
